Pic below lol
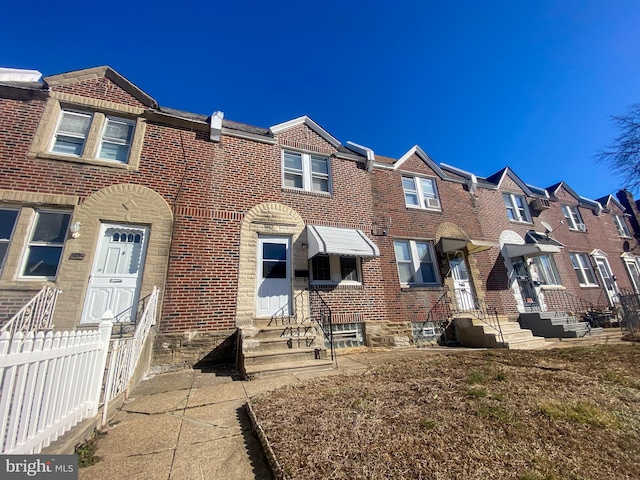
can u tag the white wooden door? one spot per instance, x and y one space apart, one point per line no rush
462 284
273 289
604 269
117 271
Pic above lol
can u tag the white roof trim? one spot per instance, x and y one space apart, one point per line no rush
304 120
425 158
339 241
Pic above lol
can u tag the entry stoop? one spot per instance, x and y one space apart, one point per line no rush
268 349
556 325
473 332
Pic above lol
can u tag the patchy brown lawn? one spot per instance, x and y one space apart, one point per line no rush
571 413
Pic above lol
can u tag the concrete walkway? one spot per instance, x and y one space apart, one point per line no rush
192 424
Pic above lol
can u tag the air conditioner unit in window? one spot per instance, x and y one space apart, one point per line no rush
540 204
582 227
433 203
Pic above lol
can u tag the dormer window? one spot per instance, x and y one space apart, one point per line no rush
574 220
517 208
621 226
303 171
421 192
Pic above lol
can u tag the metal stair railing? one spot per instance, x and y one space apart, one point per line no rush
563 302
321 314
36 315
437 320
478 309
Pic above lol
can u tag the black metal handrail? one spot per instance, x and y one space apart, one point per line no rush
320 313
439 316
477 308
561 301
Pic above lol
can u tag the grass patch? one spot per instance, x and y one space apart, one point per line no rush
477 377
579 412
427 423
87 451
477 392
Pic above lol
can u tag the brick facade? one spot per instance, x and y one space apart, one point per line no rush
206 203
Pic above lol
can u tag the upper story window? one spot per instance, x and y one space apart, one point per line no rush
71 133
116 139
421 192
335 269
416 262
305 171
44 250
583 269
7 223
73 129
621 226
517 208
574 220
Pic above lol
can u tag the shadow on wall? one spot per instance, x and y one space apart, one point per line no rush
224 355
498 278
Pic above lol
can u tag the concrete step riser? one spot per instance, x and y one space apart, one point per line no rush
287 333
255 372
294 355
280 344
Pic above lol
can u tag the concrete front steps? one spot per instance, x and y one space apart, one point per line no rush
473 332
276 349
556 325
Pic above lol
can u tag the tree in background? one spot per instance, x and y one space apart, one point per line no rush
623 154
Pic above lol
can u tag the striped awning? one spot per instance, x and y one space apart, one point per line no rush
339 241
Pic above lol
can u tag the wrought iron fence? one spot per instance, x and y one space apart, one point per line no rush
630 317
36 315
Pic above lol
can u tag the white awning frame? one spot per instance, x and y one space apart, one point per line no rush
529 249
339 241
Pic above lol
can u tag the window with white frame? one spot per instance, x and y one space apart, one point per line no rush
71 133
621 226
583 269
116 139
7 224
44 250
574 220
416 262
634 272
305 171
421 192
75 127
335 269
547 270
517 208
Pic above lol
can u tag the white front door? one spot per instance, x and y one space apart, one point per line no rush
274 276
116 274
604 269
462 284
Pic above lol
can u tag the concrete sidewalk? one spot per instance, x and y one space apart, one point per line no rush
192 424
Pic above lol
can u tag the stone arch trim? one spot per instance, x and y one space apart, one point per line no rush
450 230
269 218
121 203
511 237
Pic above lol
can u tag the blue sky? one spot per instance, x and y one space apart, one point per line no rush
477 84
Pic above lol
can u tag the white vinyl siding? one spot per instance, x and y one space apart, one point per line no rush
421 192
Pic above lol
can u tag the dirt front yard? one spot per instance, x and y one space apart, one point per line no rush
570 413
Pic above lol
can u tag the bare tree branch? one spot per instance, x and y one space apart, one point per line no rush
623 154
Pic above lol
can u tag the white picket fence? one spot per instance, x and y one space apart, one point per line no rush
48 383
125 353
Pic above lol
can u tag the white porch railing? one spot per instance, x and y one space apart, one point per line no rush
48 383
36 315
125 353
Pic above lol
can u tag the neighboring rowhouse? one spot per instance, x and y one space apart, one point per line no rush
105 194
